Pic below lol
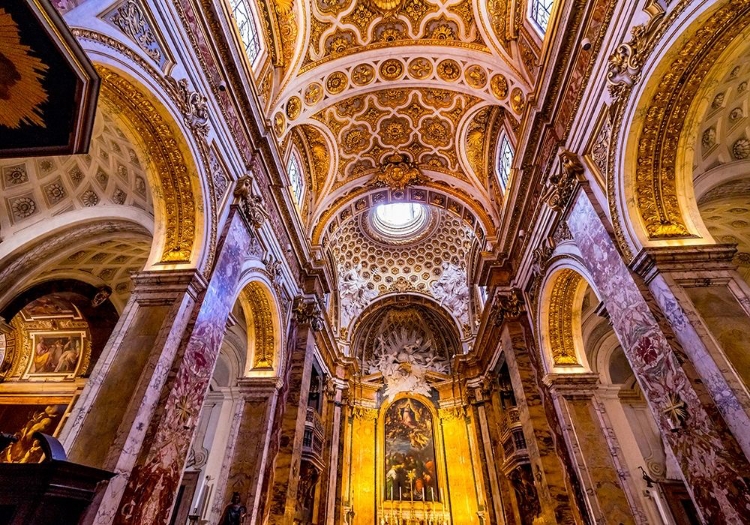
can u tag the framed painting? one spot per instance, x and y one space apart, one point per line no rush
55 354
410 466
48 86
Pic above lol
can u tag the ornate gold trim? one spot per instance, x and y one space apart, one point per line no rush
165 155
655 168
257 309
560 317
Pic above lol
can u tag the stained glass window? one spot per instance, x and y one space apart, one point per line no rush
504 161
244 17
296 177
540 12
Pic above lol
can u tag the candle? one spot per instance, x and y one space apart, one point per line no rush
399 492
424 498
432 493
391 492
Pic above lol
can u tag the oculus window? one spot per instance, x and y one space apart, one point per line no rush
401 219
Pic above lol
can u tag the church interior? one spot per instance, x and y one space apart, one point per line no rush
374 262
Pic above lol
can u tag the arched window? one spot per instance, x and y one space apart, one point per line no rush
504 161
540 13
296 177
247 25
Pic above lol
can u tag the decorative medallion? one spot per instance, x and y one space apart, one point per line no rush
741 149
313 94
476 77
397 173
363 74
279 123
517 100
293 108
420 68
336 82
391 69
449 70
385 6
499 86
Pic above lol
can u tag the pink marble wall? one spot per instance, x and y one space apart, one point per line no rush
153 483
711 460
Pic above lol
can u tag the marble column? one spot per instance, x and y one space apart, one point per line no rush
479 396
554 485
248 445
166 359
712 462
330 490
707 304
286 472
589 445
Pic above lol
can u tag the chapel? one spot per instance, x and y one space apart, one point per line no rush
374 262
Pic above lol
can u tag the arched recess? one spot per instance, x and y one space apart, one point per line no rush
565 291
415 311
172 172
262 317
653 180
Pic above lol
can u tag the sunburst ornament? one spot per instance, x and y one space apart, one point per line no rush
386 7
21 74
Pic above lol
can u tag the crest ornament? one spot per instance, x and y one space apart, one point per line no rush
397 173
561 185
506 306
250 204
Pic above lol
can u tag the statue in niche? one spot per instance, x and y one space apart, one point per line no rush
354 295
234 513
404 358
452 291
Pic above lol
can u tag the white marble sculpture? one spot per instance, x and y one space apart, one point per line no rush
404 358
452 291
354 295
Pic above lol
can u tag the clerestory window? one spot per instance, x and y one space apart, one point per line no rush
296 177
247 24
540 13
504 161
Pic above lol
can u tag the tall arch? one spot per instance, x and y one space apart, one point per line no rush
262 320
652 182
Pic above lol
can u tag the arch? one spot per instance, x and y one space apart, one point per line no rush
173 171
437 445
262 319
436 314
653 180
560 308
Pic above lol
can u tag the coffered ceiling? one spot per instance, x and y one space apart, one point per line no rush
432 81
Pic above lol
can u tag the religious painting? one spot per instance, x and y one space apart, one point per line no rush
55 353
410 467
48 87
22 421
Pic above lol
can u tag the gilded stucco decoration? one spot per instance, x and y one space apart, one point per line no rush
397 173
561 317
420 124
258 310
165 153
656 177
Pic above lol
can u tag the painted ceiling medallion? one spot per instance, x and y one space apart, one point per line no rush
397 173
517 100
336 82
391 69
449 70
363 74
476 77
313 94
279 123
499 86
293 108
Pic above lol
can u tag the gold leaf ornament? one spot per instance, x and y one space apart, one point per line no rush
336 82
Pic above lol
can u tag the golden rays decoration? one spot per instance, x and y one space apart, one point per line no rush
21 75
